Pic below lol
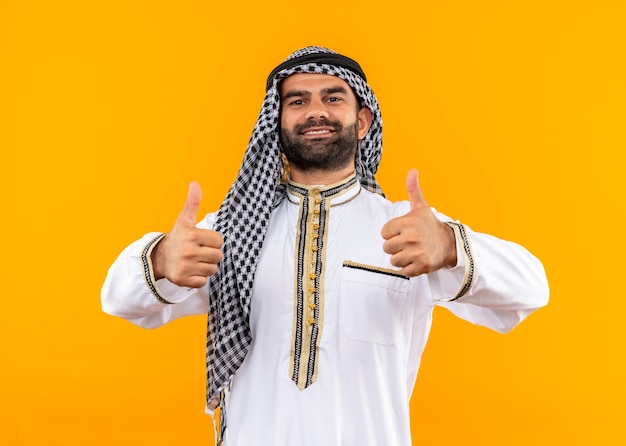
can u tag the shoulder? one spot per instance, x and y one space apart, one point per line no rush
384 205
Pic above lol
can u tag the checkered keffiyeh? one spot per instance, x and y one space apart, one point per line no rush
245 212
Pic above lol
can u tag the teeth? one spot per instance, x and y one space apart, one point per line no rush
317 132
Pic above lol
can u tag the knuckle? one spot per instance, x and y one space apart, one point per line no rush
219 240
386 248
427 264
192 235
197 282
177 278
188 251
413 237
212 269
219 256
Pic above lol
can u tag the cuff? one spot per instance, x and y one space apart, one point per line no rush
449 284
148 272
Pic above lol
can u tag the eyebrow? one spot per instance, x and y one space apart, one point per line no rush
325 91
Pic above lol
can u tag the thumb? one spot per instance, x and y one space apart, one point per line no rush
189 214
416 198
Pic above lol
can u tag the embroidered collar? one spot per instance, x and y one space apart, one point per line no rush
336 194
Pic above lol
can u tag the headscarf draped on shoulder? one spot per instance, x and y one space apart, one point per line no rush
245 212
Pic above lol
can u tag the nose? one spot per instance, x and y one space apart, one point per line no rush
317 109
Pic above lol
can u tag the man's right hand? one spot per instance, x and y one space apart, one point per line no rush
187 255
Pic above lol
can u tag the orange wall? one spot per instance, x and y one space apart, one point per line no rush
512 110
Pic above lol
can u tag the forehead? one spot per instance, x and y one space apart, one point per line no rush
312 82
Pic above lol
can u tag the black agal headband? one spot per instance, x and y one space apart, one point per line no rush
337 60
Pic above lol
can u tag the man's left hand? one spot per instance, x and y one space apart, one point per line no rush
418 242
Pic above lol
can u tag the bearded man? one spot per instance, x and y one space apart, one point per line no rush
319 291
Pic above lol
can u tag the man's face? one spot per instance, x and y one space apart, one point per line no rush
321 122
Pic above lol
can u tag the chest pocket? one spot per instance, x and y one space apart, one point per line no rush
373 303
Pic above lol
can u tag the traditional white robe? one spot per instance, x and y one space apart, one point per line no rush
338 332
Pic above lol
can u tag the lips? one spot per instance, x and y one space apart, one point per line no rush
318 132
318 129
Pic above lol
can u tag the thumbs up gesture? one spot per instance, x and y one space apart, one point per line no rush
418 242
187 255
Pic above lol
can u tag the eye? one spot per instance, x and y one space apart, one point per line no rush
296 102
334 99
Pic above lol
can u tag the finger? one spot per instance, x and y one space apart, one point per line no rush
210 239
392 246
390 229
409 266
204 269
210 255
189 214
416 198
195 281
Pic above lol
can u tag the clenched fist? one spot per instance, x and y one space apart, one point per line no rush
187 255
418 242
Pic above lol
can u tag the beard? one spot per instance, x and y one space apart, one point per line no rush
331 153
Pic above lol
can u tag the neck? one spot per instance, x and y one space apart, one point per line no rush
320 177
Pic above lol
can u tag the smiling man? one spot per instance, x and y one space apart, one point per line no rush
321 124
319 291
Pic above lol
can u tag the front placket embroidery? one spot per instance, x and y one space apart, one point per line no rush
311 238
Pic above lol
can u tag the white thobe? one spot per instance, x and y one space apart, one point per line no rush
350 383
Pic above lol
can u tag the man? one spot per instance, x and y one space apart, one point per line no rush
319 291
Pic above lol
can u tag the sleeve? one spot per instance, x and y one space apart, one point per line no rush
496 283
131 292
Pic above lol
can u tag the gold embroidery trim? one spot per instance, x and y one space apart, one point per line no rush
374 269
148 271
309 296
470 268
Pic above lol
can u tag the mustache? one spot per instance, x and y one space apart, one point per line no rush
299 128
